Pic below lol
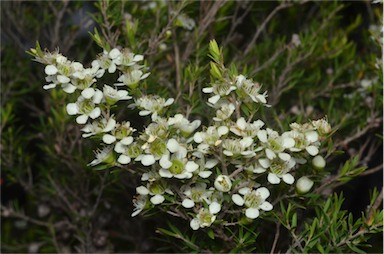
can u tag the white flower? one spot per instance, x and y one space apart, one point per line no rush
304 184
125 58
275 144
104 155
197 194
100 126
132 78
251 89
106 63
254 200
183 124
220 89
279 169
211 136
85 107
176 165
234 147
112 95
152 104
223 183
139 203
225 112
204 218
128 151
244 129
322 126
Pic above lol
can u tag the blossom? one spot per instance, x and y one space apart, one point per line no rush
131 78
155 189
253 200
233 147
197 194
104 155
279 169
244 129
251 89
322 126
211 137
85 107
183 124
126 57
112 95
176 165
223 183
205 217
220 89
303 140
139 203
225 112
152 104
101 126
275 144
184 21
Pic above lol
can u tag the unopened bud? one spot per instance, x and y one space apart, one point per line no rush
303 185
318 162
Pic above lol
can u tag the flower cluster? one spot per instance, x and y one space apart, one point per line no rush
210 171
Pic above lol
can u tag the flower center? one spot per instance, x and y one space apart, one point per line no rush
252 200
177 167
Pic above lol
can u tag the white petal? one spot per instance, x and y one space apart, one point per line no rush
109 139
312 150
164 161
252 213
169 102
195 224
112 68
68 88
110 125
273 179
63 79
124 159
114 53
50 86
148 159
165 173
98 96
207 90
266 206
288 178
95 113
88 93
81 119
138 58
214 208
72 109
214 99
119 148
284 156
188 203
144 112
191 166
142 190
127 140
241 123
222 130
264 162
288 142
211 163
157 199
173 145
205 174
262 135
245 190
237 199
312 136
263 192
270 154
198 137
50 70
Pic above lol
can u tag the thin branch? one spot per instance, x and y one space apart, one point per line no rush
277 234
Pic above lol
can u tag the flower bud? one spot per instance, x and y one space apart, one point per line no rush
318 162
303 185
223 183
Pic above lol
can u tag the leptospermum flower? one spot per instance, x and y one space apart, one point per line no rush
205 217
223 183
99 126
183 124
279 169
86 105
176 165
253 200
112 95
197 194
220 89
152 104
251 89
275 144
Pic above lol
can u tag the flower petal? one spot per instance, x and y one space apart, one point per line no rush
266 206
312 150
157 199
195 224
188 203
148 160
263 192
273 179
252 213
50 69
142 190
124 159
172 145
72 109
109 139
191 166
82 119
214 208
88 93
237 199
288 178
